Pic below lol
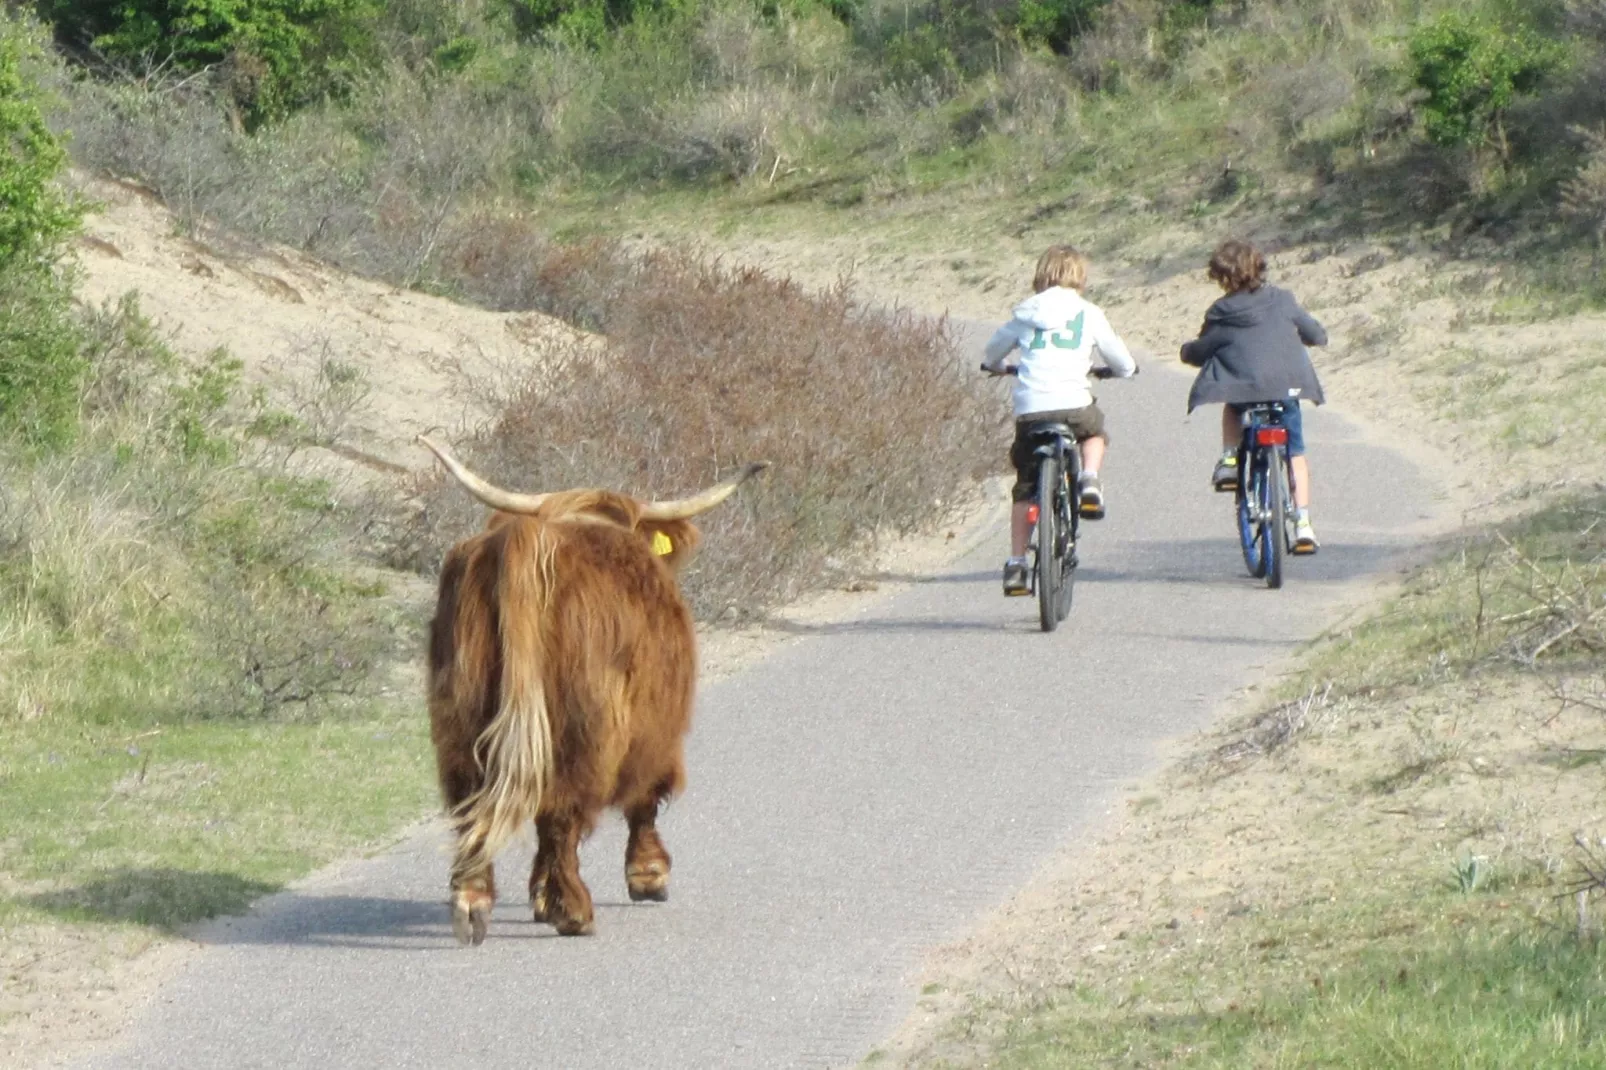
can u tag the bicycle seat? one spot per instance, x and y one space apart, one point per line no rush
1050 427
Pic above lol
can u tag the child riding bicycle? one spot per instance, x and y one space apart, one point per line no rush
1054 333
1250 350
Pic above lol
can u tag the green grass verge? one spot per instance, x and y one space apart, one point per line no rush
1439 996
163 827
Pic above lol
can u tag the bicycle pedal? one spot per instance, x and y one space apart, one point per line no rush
1092 513
1024 592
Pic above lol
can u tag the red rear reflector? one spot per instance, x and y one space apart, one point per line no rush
1032 513
1271 436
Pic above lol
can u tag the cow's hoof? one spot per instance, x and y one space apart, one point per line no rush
648 882
574 926
470 921
657 892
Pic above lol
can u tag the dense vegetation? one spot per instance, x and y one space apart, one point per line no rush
378 130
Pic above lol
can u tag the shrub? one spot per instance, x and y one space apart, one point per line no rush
166 566
35 216
40 369
1056 23
1473 70
869 420
274 55
1583 196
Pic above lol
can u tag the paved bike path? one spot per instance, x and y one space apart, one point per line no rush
865 793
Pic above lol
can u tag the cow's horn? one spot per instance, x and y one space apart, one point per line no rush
506 500
686 508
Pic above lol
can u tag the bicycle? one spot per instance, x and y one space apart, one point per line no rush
1054 513
1265 520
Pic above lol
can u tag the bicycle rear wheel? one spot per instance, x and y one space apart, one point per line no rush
1274 517
1050 574
1249 523
1070 506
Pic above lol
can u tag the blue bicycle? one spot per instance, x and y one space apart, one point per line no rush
1265 518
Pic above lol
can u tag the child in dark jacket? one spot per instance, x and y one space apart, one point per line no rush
1251 349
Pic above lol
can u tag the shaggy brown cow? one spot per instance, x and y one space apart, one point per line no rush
561 662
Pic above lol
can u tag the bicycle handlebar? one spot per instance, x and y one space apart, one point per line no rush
1101 372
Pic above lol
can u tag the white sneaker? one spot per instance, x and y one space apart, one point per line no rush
1305 536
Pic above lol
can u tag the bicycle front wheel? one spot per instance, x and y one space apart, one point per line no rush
1050 574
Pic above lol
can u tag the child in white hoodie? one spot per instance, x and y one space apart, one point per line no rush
1054 333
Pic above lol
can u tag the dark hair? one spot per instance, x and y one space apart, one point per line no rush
1237 265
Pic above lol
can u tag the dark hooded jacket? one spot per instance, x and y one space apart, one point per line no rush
1252 348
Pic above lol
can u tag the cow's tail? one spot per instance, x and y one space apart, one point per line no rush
514 752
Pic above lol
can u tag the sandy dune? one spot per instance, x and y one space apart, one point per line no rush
281 313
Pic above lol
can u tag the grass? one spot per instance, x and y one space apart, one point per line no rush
1451 994
172 825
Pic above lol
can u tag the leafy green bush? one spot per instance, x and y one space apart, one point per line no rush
1056 23
35 216
275 54
40 367
1473 70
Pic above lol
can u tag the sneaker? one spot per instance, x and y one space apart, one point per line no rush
1225 477
1092 497
1305 536
1015 579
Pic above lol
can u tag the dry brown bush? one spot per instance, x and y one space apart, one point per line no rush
865 413
1583 197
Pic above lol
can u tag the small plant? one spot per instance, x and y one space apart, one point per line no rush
1470 871
1473 70
1056 23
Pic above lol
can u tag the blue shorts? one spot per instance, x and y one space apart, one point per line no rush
1292 419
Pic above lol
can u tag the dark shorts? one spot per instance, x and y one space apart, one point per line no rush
1084 423
1292 419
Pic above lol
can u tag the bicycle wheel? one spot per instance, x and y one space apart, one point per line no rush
1049 571
1065 542
1274 517
1248 500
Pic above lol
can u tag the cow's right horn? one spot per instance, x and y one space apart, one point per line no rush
686 508
506 500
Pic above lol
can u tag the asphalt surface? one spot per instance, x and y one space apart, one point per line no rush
867 792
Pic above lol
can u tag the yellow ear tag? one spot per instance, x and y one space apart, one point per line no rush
661 544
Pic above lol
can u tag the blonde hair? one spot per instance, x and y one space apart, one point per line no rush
1061 265
1237 265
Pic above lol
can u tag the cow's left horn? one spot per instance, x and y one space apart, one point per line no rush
686 508
506 500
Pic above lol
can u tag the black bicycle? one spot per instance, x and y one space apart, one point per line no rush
1265 518
1055 512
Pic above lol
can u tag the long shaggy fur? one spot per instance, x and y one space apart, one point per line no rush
561 668
514 752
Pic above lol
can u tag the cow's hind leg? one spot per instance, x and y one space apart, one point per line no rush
646 859
473 891
472 900
541 875
568 900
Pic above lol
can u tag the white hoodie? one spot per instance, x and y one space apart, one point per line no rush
1055 332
